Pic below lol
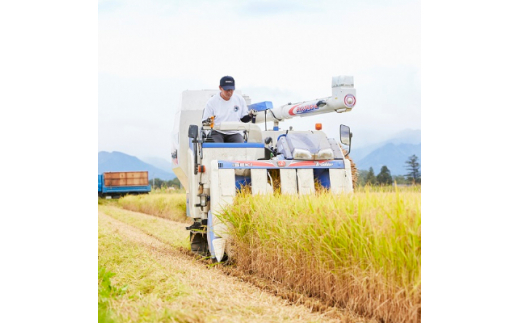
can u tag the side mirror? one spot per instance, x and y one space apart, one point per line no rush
345 136
193 131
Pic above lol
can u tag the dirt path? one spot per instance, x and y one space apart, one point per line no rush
192 291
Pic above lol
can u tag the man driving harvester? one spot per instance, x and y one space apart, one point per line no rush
227 107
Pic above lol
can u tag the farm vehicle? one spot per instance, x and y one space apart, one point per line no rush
212 173
116 184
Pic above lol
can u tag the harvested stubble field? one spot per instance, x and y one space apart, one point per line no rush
353 258
152 277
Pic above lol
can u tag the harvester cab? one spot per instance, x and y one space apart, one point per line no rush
269 160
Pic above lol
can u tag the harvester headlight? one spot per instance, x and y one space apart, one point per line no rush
301 154
326 154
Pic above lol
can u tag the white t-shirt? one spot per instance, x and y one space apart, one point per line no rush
223 110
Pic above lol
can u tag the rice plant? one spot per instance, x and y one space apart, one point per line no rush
168 206
361 250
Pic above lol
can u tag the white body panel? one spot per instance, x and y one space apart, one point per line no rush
305 181
341 179
211 155
288 181
259 184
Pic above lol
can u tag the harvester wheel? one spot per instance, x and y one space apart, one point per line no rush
199 243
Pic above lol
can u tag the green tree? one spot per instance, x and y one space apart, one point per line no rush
384 177
413 166
362 177
399 179
371 177
157 183
176 182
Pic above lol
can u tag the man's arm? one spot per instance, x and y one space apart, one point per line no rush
248 117
208 112
246 114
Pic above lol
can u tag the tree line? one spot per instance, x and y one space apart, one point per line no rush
159 183
368 177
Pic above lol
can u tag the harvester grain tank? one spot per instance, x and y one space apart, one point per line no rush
213 172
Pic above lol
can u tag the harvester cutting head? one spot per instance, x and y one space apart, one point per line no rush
212 172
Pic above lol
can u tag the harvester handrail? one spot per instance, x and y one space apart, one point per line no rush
254 131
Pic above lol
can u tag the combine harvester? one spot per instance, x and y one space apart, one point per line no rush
212 172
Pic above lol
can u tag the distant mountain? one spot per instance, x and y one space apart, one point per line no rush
120 162
392 156
407 136
161 163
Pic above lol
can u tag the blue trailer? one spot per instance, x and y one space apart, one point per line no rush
117 184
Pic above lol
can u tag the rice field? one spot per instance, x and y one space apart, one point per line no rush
361 251
171 206
144 275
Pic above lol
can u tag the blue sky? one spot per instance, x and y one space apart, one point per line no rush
280 51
